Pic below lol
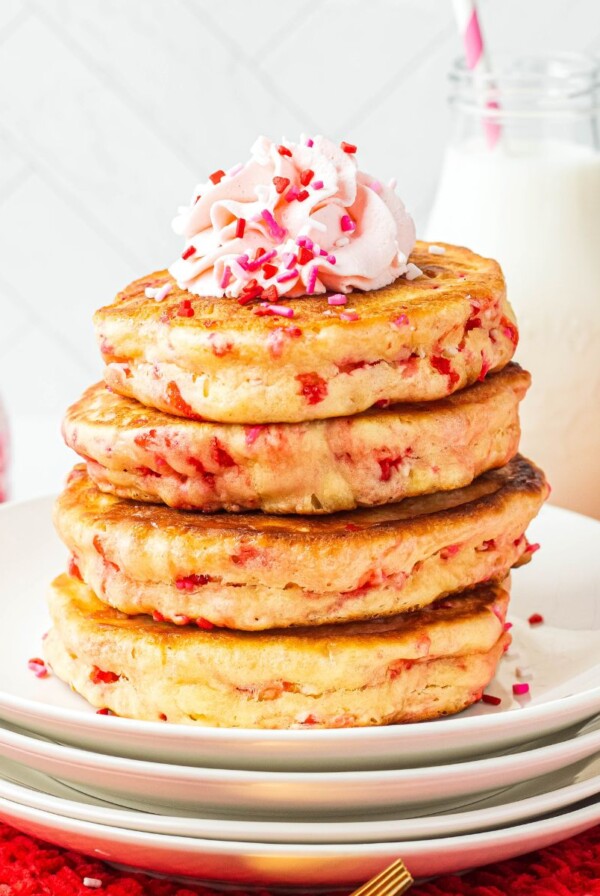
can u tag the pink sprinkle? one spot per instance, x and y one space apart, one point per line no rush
401 321
242 260
310 142
331 259
519 688
289 259
376 186
252 434
347 224
349 315
280 310
305 241
337 299
276 231
532 548
163 292
317 184
38 667
262 259
507 626
291 275
323 252
291 193
312 280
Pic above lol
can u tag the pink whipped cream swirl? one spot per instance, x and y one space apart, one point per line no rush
297 219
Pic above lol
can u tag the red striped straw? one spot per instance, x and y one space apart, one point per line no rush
475 56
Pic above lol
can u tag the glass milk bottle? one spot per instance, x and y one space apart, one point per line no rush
521 183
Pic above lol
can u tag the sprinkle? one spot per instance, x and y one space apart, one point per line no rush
188 252
310 142
376 185
304 255
489 698
94 883
507 626
342 241
163 292
519 688
105 711
524 672
304 241
535 619
302 195
225 277
181 619
317 184
235 170
269 270
240 227
306 176
275 230
312 280
201 622
38 667
292 193
290 275
401 321
331 259
261 259
150 292
217 176
437 250
281 183
279 310
347 224
158 617
289 259
337 299
412 271
348 147
242 260
284 151
349 315
184 309
532 548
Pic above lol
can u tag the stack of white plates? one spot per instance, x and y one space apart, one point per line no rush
312 807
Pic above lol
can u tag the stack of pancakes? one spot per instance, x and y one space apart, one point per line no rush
300 521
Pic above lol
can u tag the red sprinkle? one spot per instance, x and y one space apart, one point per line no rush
489 698
535 619
184 309
188 252
302 195
105 711
158 617
284 151
201 622
348 147
270 294
38 667
281 183
306 176
73 569
240 227
190 583
443 366
269 270
304 255
99 676
313 387
450 551
217 176
532 548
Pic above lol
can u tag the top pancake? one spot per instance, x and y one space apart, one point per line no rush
413 340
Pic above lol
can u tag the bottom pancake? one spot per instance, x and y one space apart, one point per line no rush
406 668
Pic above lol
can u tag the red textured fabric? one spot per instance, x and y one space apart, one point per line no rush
30 867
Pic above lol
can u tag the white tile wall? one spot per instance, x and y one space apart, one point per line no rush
111 110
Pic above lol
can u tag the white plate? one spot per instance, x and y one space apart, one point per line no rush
290 864
513 804
290 795
563 583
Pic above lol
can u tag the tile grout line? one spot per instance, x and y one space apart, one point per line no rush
301 16
43 170
262 76
115 88
17 180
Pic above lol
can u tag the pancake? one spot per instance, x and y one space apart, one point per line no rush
258 571
405 669
376 457
414 340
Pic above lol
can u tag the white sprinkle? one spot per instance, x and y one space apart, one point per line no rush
163 292
94 883
437 250
524 672
412 271
343 241
150 292
393 183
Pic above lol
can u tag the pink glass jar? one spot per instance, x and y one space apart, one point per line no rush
4 455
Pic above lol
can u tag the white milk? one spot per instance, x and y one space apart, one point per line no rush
536 208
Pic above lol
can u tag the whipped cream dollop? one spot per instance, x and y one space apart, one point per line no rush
296 219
